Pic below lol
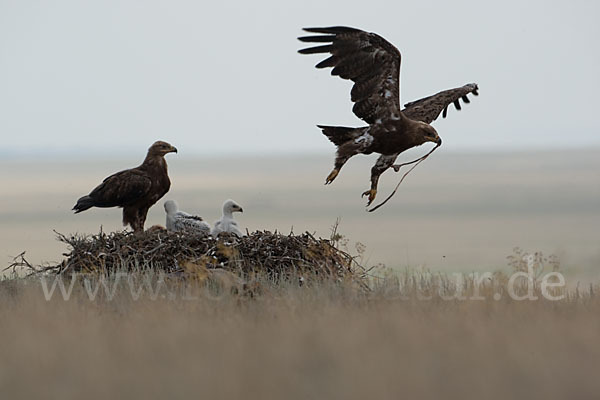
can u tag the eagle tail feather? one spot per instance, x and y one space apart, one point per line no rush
339 135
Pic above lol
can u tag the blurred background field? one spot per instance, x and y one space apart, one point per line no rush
455 212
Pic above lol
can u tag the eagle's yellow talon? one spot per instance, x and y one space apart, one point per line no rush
371 193
332 175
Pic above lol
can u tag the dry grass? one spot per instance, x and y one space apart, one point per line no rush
321 340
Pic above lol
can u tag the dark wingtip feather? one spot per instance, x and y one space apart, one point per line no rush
328 62
445 112
457 104
317 49
317 39
332 29
475 92
465 99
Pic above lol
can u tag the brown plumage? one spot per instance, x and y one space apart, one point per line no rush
135 190
373 64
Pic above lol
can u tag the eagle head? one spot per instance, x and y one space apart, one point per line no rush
171 207
231 206
161 148
428 133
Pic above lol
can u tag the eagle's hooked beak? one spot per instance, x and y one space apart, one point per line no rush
241 210
173 149
439 141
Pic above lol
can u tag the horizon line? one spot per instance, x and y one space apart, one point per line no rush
108 153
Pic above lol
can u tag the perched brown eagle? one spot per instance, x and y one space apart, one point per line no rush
373 64
135 190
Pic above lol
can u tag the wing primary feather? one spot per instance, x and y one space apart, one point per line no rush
475 92
328 62
332 29
465 99
317 39
457 104
317 49
445 112
361 56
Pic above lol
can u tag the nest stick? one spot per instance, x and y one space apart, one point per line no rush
416 162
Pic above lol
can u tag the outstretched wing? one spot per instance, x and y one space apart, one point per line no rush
367 59
121 189
429 108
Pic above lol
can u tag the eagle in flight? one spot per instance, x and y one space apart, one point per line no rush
373 64
135 190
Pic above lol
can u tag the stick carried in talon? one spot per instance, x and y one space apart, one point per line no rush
397 167
416 162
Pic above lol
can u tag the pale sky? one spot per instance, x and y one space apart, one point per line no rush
113 76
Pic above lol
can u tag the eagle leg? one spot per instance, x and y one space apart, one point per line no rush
371 193
137 226
135 217
344 152
383 163
332 175
141 220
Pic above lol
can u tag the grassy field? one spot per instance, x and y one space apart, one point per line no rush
316 341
